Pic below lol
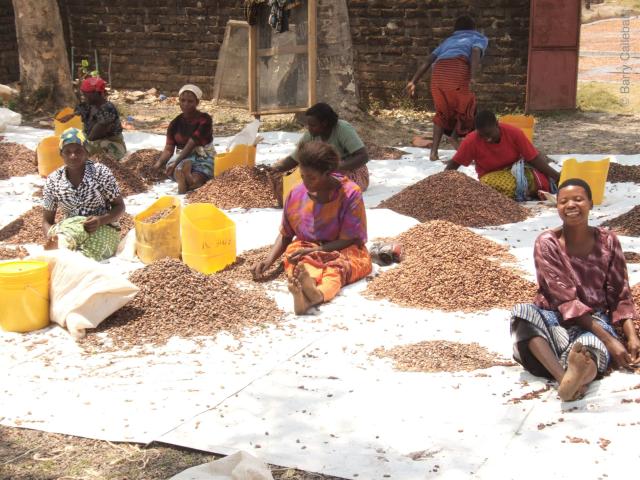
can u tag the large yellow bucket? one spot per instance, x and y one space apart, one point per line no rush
525 123
208 238
162 238
24 296
75 122
240 155
289 181
594 172
48 154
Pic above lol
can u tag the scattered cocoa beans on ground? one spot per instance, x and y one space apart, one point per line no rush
441 356
129 181
240 270
627 224
176 301
450 268
457 198
632 257
623 173
635 291
16 160
12 253
239 187
142 162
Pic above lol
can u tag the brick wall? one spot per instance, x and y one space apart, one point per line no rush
153 43
166 43
391 39
9 68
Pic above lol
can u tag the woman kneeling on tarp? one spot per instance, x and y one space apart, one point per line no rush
505 159
90 200
567 333
190 135
323 231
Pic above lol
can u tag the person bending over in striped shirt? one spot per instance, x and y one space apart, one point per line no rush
455 62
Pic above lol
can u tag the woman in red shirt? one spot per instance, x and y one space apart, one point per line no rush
505 159
190 135
567 334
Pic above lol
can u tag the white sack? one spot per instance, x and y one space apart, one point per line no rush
239 466
9 117
83 292
247 136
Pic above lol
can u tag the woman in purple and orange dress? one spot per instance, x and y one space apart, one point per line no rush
323 231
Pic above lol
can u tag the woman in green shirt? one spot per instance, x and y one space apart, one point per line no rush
324 125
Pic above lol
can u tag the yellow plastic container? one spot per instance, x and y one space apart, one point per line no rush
240 155
162 238
48 154
290 180
525 123
594 172
208 238
75 122
24 296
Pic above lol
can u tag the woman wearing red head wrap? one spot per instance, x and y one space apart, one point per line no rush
101 120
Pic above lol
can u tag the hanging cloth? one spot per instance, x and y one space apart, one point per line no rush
251 9
279 17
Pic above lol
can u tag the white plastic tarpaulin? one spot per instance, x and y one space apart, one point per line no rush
310 395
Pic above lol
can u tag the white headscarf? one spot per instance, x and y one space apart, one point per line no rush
193 89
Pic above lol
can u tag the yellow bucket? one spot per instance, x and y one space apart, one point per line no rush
525 123
594 172
240 155
208 238
75 122
162 238
48 154
24 296
289 181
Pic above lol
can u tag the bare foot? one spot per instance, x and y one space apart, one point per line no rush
580 371
181 180
300 303
434 157
309 287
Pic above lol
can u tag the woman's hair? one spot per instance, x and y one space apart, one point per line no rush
464 22
319 156
576 182
323 112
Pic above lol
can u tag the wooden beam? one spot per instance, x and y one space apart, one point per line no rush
253 68
282 50
279 111
313 51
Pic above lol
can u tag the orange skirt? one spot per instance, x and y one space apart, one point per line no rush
455 103
331 270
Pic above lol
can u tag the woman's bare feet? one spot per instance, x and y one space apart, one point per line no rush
300 303
309 287
580 372
434 157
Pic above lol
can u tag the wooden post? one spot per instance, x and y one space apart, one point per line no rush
312 54
253 69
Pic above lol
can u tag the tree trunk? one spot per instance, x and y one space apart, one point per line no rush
336 77
45 79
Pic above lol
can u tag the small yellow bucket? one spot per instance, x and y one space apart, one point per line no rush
289 181
24 296
75 122
526 123
48 153
594 172
240 155
162 238
208 238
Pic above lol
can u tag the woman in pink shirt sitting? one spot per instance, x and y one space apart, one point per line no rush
567 334
505 159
